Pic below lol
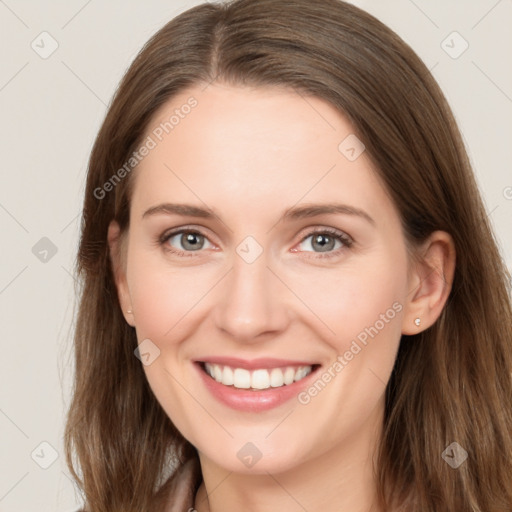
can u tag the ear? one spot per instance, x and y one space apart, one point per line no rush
430 282
117 247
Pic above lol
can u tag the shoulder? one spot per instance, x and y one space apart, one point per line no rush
177 494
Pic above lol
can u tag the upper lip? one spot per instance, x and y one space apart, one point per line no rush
254 364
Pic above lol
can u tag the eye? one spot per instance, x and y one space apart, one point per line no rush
325 240
184 242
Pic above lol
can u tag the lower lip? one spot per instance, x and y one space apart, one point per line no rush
253 401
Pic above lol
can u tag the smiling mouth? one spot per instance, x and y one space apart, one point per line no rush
258 379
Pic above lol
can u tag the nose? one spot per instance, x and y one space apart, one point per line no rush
252 304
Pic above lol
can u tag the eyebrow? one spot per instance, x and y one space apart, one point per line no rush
293 213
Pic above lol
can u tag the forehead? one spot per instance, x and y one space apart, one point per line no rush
233 146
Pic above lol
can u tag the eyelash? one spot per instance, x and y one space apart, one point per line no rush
337 235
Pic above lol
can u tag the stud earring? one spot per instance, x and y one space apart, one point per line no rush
417 322
129 311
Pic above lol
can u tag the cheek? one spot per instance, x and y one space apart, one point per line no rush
163 299
367 319
359 301
165 302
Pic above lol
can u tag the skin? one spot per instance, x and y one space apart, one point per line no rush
249 155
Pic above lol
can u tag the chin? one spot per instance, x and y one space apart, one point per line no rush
255 457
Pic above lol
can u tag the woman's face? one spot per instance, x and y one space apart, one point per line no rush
284 273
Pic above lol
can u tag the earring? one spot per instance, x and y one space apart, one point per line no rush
129 311
417 322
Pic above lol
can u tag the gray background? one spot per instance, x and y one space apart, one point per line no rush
51 111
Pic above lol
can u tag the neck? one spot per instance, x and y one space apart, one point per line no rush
340 479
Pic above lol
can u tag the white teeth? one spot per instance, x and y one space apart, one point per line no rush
289 375
217 373
260 379
227 376
257 379
301 373
241 378
276 378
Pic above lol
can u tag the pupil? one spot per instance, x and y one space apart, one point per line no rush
191 241
325 242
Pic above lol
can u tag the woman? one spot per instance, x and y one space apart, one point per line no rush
292 297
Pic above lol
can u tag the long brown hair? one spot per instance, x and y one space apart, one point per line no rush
451 383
